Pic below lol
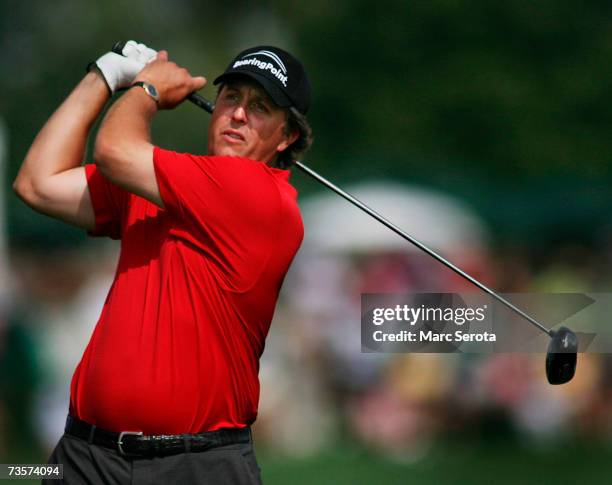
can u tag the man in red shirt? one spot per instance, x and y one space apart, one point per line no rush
171 369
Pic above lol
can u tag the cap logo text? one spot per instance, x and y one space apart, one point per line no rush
280 71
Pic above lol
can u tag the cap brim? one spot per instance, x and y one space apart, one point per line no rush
276 93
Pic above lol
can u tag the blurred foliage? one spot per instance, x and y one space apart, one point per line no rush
20 375
506 104
514 88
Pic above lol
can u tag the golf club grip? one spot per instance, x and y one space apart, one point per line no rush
195 98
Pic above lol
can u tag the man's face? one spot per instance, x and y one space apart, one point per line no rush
247 123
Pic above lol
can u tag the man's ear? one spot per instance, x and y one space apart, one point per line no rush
287 141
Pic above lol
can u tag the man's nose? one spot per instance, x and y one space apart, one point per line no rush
239 114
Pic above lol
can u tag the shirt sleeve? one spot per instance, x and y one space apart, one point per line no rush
109 203
229 207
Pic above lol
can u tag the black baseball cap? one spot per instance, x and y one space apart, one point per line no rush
280 74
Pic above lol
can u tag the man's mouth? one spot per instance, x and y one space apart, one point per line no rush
232 136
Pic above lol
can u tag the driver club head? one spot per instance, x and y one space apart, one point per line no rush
562 356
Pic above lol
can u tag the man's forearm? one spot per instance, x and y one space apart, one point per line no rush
123 151
60 144
126 128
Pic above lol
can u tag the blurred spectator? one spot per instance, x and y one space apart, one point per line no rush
68 288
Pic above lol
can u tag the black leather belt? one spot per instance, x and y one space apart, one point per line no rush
135 444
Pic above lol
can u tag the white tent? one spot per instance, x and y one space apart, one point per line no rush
439 221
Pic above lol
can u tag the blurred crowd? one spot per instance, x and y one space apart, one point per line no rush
318 388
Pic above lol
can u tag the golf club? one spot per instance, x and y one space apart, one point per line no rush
561 357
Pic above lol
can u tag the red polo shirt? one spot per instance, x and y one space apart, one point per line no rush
177 346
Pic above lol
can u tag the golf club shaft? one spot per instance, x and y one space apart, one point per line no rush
209 106
418 244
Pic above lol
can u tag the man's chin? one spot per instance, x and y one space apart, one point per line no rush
229 151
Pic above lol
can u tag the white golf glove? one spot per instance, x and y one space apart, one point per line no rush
119 71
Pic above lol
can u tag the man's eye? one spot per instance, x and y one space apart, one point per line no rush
260 107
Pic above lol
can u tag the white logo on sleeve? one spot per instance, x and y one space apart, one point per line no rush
279 71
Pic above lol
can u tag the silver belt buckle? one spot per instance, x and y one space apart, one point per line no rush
120 440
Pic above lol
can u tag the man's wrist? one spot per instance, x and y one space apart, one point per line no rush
148 88
92 68
95 78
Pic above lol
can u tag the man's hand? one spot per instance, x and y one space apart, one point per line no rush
119 71
173 83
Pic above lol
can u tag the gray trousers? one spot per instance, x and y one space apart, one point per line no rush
84 463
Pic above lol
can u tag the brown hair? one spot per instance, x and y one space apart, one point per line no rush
295 122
